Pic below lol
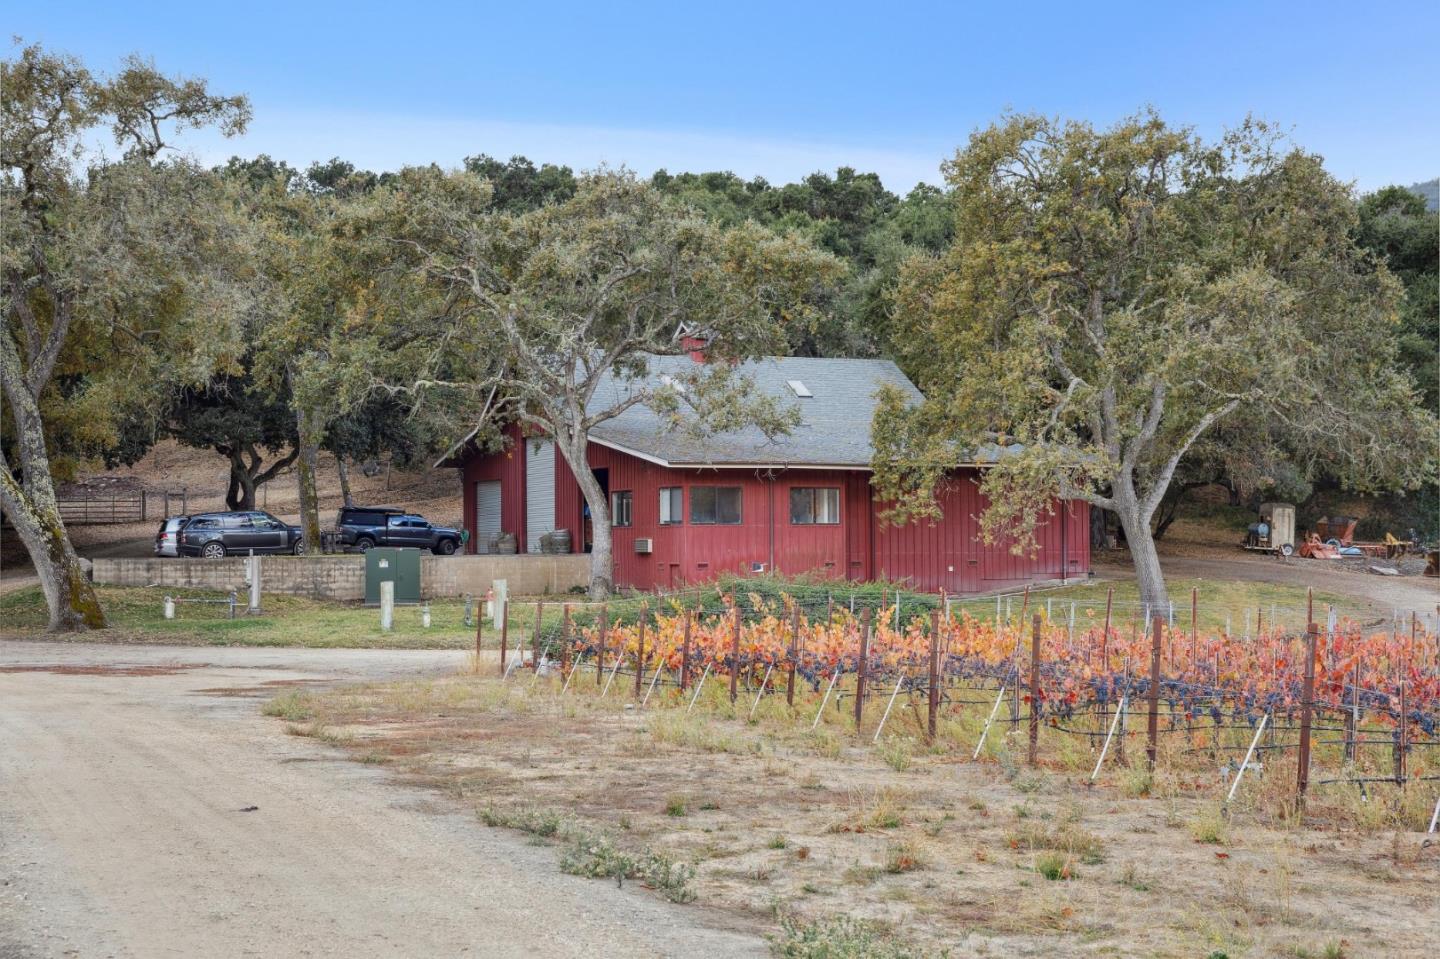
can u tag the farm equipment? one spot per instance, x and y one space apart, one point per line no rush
1337 534
1274 532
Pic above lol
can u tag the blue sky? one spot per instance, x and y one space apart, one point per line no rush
777 90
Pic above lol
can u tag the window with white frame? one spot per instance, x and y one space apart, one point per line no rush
622 507
814 506
672 505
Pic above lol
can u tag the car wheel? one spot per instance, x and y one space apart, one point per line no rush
364 544
445 547
213 550
1287 549
299 548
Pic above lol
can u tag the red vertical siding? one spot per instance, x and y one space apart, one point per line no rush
948 553
508 467
944 554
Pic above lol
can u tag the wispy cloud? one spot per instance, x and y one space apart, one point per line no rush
387 141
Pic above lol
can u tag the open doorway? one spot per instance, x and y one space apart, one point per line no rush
587 534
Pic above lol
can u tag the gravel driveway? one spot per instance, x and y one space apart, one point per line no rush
127 829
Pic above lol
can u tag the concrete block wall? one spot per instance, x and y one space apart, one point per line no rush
342 578
524 574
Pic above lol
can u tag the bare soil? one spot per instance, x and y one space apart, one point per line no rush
944 853
145 814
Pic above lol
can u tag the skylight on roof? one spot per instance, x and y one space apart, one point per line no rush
800 389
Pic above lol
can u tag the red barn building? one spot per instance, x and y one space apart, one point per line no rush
685 510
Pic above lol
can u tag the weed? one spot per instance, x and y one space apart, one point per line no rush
897 754
293 707
1136 782
825 743
903 857
861 875
838 937
675 806
777 842
597 857
1209 828
1070 839
1131 877
1054 866
528 819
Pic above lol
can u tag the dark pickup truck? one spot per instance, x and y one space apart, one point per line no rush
364 527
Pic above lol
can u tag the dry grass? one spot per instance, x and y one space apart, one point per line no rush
923 855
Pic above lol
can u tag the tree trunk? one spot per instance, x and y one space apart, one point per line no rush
602 555
1099 528
35 514
1143 555
306 464
344 470
242 481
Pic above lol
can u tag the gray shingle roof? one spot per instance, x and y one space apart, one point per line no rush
834 428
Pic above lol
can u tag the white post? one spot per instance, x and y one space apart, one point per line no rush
387 605
425 616
573 670
1114 724
169 607
1259 730
698 686
985 731
888 706
1435 816
501 589
653 678
254 608
763 683
825 699
613 670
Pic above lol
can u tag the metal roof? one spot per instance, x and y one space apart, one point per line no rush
834 428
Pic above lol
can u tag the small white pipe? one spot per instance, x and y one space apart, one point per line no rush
763 683
573 670
888 706
999 698
698 686
1435 816
653 678
1114 724
1248 753
825 699
613 670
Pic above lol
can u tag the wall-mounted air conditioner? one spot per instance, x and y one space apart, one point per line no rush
644 545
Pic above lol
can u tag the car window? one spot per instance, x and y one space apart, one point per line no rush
240 521
203 523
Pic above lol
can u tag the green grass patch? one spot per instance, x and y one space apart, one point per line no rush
1220 601
137 615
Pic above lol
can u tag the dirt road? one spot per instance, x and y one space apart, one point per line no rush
146 812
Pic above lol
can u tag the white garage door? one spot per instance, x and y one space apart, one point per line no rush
539 492
487 514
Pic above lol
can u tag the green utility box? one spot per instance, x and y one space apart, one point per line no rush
399 566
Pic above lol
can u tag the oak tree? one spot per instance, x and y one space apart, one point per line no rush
120 275
1114 296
